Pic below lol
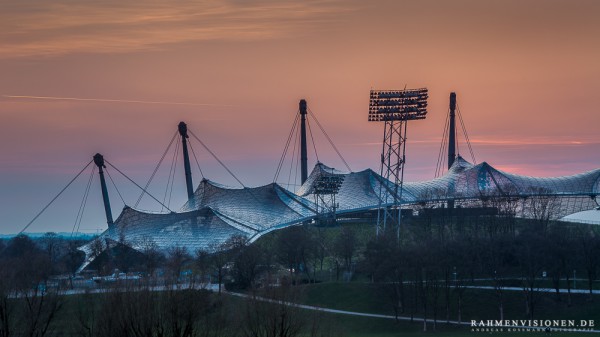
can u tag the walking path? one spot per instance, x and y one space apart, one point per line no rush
400 318
542 290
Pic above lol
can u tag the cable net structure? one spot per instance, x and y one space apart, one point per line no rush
216 212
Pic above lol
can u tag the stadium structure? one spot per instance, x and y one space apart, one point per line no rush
214 213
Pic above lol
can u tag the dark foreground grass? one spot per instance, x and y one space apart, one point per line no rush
371 298
351 326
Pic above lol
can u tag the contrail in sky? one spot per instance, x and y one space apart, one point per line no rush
111 100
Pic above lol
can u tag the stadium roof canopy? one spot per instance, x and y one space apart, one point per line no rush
216 213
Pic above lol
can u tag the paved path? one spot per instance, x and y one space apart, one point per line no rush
364 314
542 290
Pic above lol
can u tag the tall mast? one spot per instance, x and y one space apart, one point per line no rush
452 131
303 152
99 161
186 159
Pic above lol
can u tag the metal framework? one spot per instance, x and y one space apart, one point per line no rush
395 108
325 190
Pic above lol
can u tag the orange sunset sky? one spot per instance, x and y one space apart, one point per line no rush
527 76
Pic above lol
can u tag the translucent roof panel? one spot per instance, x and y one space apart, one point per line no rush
194 230
462 181
258 207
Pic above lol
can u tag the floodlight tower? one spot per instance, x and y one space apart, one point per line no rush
395 108
99 161
325 190
182 127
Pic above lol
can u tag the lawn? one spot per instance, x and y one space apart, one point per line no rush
369 298
477 304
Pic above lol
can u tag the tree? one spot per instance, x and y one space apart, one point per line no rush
467 254
152 256
376 257
542 207
182 310
500 256
177 257
589 251
7 303
203 264
396 263
219 258
560 252
24 293
97 246
530 256
19 246
275 318
246 260
345 246
73 257
294 246
51 244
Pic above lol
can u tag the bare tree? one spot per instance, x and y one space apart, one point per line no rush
589 251
219 258
152 255
542 207
177 257
51 244
97 246
25 290
294 248
181 311
345 247
275 318
7 303
203 264
530 256
246 262
497 270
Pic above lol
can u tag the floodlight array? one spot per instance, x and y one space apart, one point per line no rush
398 105
328 184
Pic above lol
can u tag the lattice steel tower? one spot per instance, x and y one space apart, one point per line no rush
325 191
394 108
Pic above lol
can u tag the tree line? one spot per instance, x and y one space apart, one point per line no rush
427 274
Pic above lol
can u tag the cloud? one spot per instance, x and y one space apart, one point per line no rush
56 28
534 141
542 141
106 100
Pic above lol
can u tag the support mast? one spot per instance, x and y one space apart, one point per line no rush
452 131
186 159
303 150
99 161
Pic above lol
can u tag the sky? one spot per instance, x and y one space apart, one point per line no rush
116 77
